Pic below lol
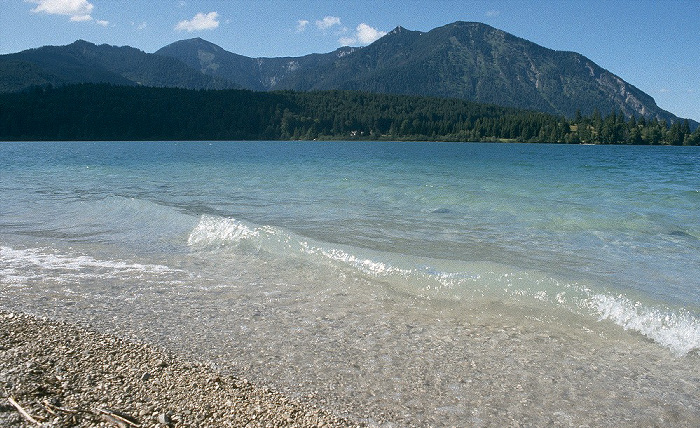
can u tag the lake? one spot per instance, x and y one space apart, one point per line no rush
395 283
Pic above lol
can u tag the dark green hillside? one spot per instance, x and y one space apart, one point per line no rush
83 62
53 65
212 60
105 112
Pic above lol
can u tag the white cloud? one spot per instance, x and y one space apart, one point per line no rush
199 22
364 35
327 22
77 10
493 13
301 25
72 8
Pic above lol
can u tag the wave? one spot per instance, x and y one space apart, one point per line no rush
402 271
454 280
212 230
677 330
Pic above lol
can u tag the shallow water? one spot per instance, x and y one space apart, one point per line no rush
406 283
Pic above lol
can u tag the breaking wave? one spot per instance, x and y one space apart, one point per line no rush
676 330
428 278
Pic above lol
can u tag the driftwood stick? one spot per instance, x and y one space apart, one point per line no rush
117 418
23 412
48 408
53 409
112 420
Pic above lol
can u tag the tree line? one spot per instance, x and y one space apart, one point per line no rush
107 112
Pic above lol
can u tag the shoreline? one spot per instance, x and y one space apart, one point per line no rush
74 376
59 374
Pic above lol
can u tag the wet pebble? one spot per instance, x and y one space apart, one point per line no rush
100 377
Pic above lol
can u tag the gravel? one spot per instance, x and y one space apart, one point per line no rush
61 375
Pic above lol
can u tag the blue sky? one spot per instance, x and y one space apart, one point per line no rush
654 45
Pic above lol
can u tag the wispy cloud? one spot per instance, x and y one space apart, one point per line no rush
77 10
200 22
301 25
364 35
327 22
493 13
81 18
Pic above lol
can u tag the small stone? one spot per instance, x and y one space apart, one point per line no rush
164 418
145 376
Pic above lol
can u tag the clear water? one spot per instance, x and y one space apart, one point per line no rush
397 283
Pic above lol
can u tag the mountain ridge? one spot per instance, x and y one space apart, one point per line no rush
466 60
480 63
473 61
85 62
259 74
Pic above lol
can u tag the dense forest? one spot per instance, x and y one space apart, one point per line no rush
107 112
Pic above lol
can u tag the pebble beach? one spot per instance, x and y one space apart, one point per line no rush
54 374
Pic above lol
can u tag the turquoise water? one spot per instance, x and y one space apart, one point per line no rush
213 246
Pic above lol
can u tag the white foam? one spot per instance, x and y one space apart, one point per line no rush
678 331
20 266
213 230
362 264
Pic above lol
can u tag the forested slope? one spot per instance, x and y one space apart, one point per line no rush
106 112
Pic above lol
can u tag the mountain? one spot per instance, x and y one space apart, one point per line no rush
257 74
480 63
84 62
465 60
462 60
